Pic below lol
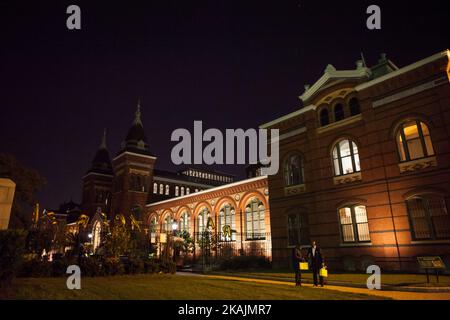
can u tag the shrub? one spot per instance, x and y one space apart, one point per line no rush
150 266
133 265
36 267
91 267
168 266
245 262
12 246
112 266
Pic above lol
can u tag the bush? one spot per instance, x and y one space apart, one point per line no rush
133 265
36 267
112 266
150 266
12 247
91 267
245 262
168 266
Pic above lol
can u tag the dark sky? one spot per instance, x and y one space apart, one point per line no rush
232 64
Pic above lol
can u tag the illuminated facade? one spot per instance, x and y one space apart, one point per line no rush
365 167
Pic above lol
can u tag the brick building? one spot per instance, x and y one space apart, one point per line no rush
365 167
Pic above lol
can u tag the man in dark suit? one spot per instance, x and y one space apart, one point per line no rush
296 258
316 261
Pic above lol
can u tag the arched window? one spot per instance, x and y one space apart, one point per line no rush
354 224
161 189
324 117
167 224
227 223
188 191
202 221
185 221
153 225
338 112
345 158
293 170
255 220
298 231
177 191
182 191
167 189
354 106
428 218
414 141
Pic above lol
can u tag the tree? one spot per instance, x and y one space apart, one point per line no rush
28 182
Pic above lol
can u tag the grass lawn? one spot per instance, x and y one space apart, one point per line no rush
386 279
163 286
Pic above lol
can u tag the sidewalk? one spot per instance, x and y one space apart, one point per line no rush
398 295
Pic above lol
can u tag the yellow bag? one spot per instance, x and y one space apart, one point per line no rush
303 265
323 272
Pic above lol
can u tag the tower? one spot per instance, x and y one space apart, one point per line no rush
97 183
133 172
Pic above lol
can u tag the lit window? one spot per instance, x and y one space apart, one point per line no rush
167 224
293 170
227 223
177 191
153 225
202 221
354 224
255 220
414 141
338 112
429 218
167 189
354 107
182 191
324 118
188 191
96 235
155 188
196 190
185 221
345 158
161 189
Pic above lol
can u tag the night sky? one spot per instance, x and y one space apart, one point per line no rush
231 64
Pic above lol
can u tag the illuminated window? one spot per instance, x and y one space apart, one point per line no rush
202 221
345 158
255 220
188 191
155 188
177 191
96 235
429 218
161 189
167 189
227 223
167 224
185 221
324 118
182 191
354 224
414 141
354 107
338 112
153 225
293 170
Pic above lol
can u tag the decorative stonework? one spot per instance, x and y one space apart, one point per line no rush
293 190
417 164
237 197
266 191
348 178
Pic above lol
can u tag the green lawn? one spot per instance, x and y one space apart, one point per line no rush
162 286
386 279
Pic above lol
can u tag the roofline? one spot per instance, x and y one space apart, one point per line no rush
134 154
402 70
288 116
159 178
208 190
97 174
334 74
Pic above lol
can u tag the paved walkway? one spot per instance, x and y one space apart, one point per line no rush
398 295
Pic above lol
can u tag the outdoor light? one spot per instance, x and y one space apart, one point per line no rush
174 226
90 235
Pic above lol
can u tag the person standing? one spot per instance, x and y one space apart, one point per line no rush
316 261
296 259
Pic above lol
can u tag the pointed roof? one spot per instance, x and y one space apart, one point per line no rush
136 141
102 161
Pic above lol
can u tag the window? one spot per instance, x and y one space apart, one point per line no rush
202 221
155 188
227 223
338 112
354 224
185 221
177 191
96 235
297 229
161 189
293 170
324 118
354 107
167 189
188 191
429 218
167 224
345 158
153 225
255 220
182 191
414 141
